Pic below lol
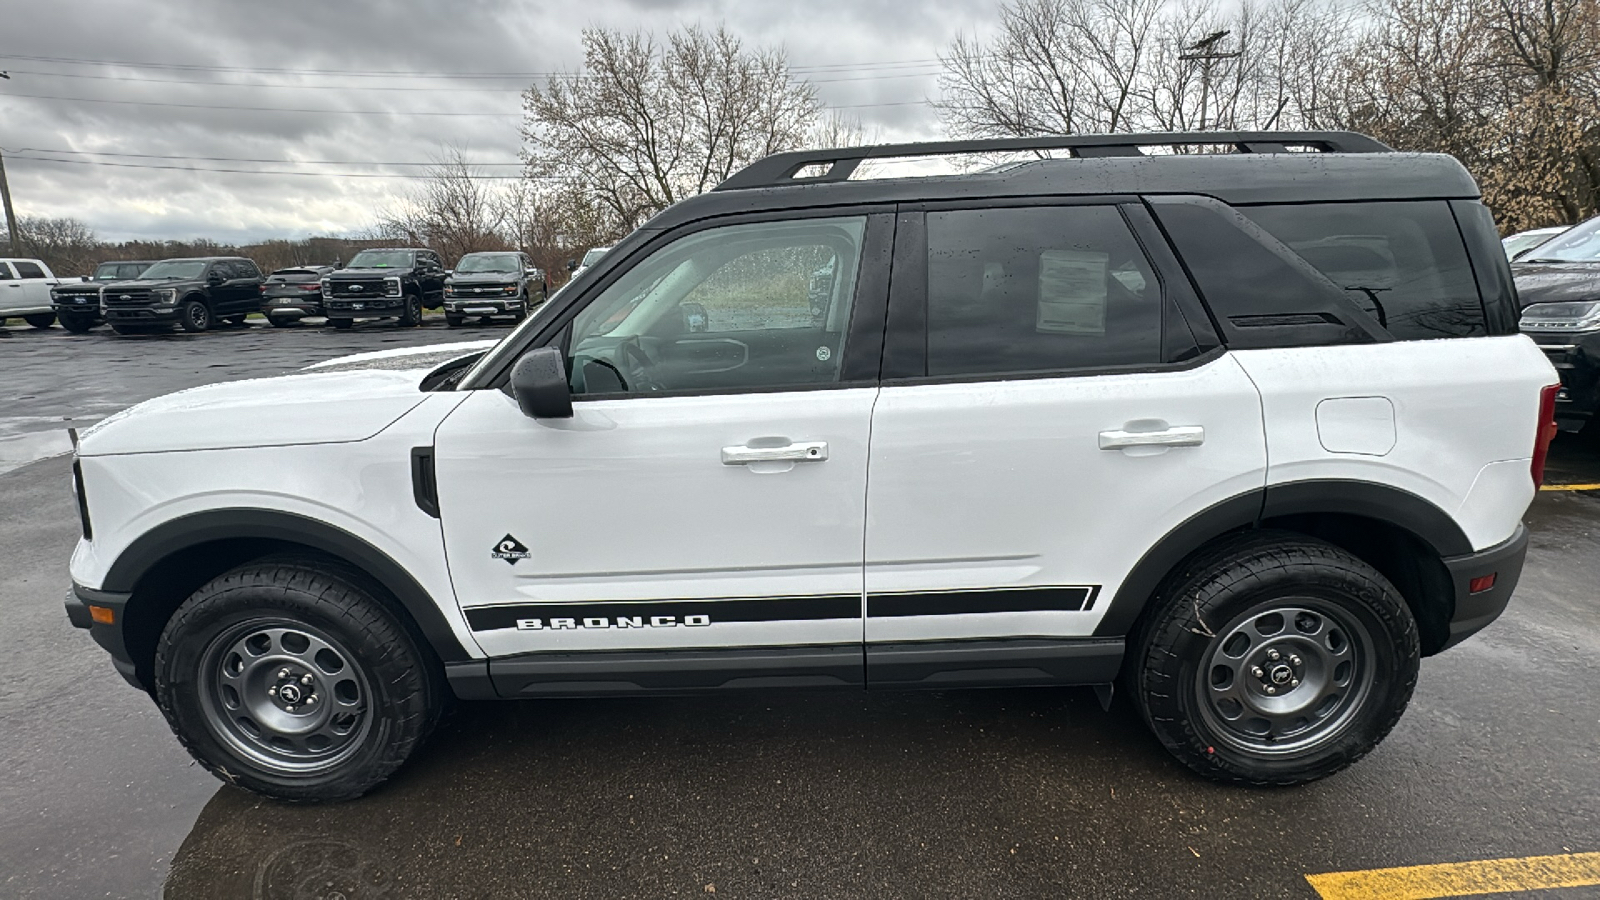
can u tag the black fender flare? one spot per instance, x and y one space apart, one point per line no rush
1367 499
184 532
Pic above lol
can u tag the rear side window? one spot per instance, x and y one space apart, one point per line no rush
1403 262
133 271
1038 289
28 270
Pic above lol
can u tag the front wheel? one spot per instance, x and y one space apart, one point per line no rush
454 321
41 320
1275 659
77 324
289 677
341 323
411 316
195 317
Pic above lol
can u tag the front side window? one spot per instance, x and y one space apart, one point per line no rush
29 270
1038 289
1403 262
741 307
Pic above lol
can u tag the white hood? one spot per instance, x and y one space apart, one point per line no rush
426 357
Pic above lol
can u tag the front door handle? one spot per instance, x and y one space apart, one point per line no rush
1176 436
807 451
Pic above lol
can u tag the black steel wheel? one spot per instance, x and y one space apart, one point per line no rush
77 324
41 320
290 677
195 316
1274 658
411 316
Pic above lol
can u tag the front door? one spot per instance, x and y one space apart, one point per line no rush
13 294
1061 420
709 490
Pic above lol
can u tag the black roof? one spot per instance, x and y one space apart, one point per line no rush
128 262
1261 168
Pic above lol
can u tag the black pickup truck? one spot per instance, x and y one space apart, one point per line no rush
192 293
77 303
395 283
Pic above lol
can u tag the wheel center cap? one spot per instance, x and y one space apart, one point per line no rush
289 693
1281 674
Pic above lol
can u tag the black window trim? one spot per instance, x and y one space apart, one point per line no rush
905 351
863 345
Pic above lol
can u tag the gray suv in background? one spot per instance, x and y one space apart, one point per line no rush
491 285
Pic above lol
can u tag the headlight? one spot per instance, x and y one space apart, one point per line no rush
1580 316
167 295
391 287
449 290
327 290
511 289
54 295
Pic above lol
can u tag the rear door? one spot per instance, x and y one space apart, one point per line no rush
1047 414
13 296
35 283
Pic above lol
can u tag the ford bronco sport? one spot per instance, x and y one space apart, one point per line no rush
1249 432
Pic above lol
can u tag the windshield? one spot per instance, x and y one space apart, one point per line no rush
1581 243
176 269
593 256
489 262
106 272
381 259
295 276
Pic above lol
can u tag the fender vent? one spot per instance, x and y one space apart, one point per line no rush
423 486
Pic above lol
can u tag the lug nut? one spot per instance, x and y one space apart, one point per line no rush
1294 683
1271 689
1273 655
311 699
283 673
272 691
1294 660
1257 672
305 679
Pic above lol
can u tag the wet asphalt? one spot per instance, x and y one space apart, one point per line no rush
1002 793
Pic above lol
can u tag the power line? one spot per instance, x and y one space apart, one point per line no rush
284 109
309 162
117 165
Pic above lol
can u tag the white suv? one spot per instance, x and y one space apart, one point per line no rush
1249 431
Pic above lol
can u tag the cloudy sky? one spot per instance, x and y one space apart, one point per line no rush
135 100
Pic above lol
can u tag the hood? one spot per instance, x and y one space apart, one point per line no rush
1556 282
321 408
404 358
142 283
368 273
460 278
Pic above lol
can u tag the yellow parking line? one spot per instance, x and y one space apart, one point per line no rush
1571 487
1490 876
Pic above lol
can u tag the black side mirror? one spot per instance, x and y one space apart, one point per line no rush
215 278
695 319
539 383
572 265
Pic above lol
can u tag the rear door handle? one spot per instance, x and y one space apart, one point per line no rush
807 451
1176 436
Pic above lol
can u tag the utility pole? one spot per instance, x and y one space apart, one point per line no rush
1204 51
11 216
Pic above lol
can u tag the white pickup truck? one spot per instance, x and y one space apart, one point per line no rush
25 292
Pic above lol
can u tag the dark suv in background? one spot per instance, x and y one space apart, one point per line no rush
394 283
289 295
1558 284
193 293
77 303
491 284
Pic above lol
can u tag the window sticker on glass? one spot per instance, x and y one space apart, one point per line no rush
1072 292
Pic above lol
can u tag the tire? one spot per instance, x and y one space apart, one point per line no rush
195 316
282 321
411 316
1273 658
229 657
235 321
454 321
77 324
341 323
129 328
41 320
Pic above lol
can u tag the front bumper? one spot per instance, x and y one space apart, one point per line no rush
107 635
139 313
85 305
1474 611
1576 356
472 306
366 307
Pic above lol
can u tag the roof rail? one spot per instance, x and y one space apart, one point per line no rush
782 168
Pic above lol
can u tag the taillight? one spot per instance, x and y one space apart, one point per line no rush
313 286
1546 432
263 289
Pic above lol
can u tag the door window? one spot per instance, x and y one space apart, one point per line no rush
1038 289
5 272
740 307
28 270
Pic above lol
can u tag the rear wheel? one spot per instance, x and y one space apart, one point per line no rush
290 678
195 316
411 316
1274 658
76 324
41 320
235 321
281 321
341 323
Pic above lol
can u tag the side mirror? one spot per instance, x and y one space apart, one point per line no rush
449 271
215 278
539 384
572 265
695 319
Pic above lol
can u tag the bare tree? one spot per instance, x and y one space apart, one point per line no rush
453 210
66 245
644 125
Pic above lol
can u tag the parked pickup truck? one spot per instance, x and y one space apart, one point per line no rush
391 283
25 292
77 303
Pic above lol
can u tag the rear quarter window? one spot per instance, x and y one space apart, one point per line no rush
1403 262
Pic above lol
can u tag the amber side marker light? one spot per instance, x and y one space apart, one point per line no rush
1475 586
105 615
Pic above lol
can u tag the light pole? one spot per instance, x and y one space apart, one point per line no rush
1204 51
5 199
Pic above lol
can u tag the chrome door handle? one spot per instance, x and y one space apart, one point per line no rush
1177 436
807 451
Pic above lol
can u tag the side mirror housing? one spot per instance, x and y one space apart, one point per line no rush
539 384
215 278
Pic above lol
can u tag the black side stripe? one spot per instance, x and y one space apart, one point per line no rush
992 600
762 609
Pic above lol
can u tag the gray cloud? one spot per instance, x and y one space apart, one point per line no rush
828 43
